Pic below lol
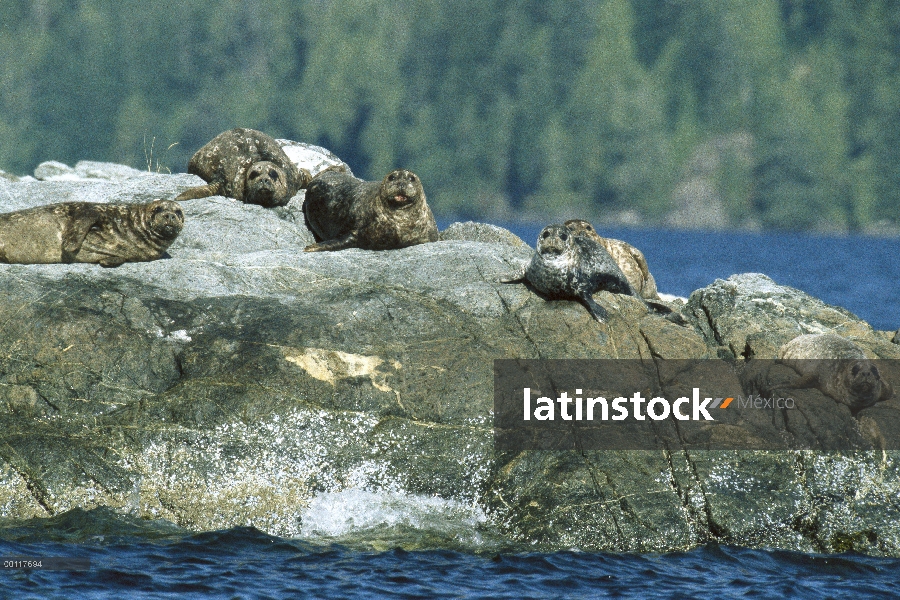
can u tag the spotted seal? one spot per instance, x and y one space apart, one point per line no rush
570 265
106 234
630 259
247 165
345 212
837 367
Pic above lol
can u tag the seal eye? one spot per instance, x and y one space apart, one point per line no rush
273 174
392 176
855 370
412 177
875 372
545 235
563 236
254 174
589 228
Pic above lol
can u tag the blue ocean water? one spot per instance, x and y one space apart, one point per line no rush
131 558
246 563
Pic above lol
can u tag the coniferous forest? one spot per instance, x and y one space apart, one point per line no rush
719 113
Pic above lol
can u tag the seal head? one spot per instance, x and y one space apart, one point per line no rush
266 185
166 219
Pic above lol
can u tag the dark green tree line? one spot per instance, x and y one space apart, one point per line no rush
777 113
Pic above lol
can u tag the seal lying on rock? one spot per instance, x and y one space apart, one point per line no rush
108 234
572 266
247 165
837 367
345 212
630 259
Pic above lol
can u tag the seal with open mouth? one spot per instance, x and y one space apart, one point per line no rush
345 212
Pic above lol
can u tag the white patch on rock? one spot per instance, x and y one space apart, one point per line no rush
52 170
671 297
179 336
314 159
332 366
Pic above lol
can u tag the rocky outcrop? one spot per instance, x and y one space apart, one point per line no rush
242 380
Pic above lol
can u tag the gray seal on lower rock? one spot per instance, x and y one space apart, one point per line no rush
247 165
630 259
837 367
85 232
568 265
345 212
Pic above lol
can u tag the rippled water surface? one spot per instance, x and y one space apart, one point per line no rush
133 559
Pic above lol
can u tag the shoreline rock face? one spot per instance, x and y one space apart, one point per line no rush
242 380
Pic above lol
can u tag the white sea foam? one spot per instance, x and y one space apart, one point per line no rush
339 514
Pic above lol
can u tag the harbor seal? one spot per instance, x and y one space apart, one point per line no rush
345 212
570 265
106 234
837 367
630 259
247 165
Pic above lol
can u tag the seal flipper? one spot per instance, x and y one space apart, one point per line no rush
80 220
597 311
667 313
112 262
339 243
517 278
660 309
887 391
201 191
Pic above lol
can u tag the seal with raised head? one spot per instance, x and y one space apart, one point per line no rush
247 165
837 367
106 234
630 259
573 266
345 212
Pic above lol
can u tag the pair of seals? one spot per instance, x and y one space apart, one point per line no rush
107 234
345 212
630 260
837 367
247 165
570 265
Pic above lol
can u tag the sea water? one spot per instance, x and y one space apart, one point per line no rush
352 540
